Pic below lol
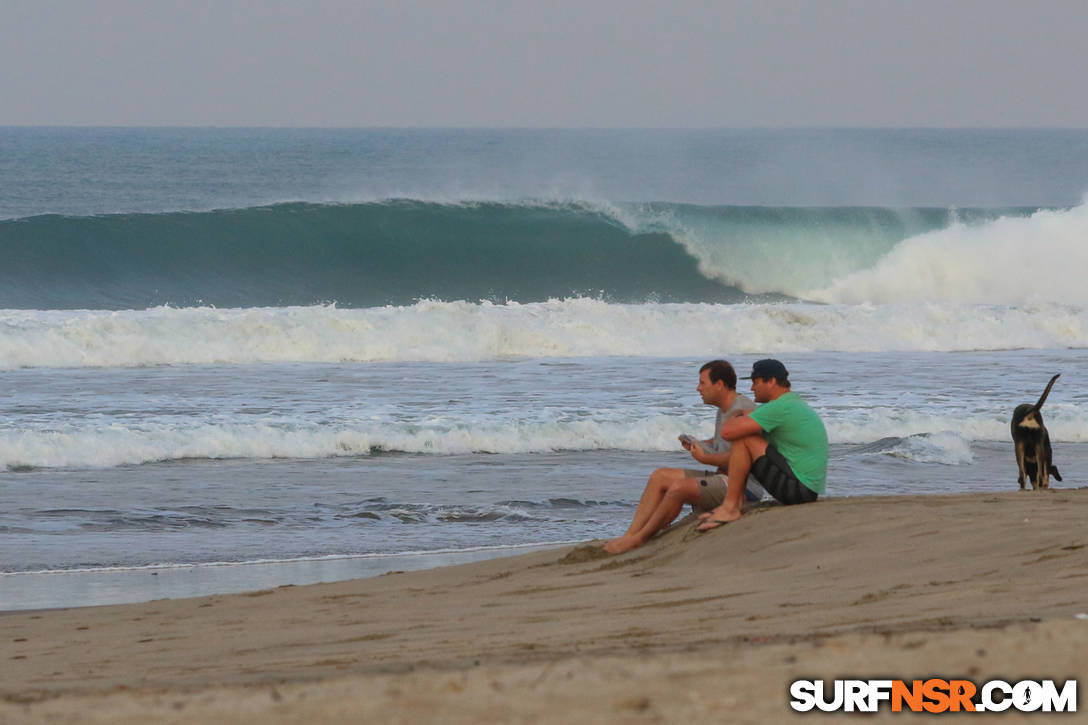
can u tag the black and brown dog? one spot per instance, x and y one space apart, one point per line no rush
1032 443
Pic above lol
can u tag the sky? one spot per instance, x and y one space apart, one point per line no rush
544 63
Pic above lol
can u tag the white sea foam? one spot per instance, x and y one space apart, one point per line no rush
925 437
433 331
947 447
1037 260
116 444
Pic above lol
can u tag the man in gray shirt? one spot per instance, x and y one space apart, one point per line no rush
670 488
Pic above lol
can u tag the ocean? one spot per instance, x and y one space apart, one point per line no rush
243 358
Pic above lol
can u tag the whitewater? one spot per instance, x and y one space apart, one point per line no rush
331 424
436 331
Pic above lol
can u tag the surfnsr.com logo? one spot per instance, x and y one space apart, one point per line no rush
933 696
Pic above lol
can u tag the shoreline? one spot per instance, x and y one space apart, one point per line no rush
73 588
978 586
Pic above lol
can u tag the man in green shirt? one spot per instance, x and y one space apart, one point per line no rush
782 443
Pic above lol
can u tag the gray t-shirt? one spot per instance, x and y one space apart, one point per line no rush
718 444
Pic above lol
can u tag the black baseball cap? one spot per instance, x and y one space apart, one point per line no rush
769 368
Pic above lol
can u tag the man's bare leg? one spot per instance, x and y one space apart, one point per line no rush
659 483
685 490
745 451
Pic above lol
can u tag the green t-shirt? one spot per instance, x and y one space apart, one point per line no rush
799 435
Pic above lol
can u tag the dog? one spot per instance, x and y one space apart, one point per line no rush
1032 443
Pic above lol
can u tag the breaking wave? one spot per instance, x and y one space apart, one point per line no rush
400 251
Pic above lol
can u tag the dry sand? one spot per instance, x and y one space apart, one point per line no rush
712 626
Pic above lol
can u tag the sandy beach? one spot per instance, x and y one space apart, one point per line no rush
712 626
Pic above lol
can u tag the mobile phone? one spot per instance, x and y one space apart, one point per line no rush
688 440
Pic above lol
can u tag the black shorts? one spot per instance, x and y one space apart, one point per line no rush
774 472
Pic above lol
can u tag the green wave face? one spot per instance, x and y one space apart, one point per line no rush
397 252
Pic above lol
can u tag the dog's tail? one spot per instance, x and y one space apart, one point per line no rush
1054 473
1046 392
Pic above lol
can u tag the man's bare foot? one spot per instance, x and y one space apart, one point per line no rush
622 544
717 517
710 525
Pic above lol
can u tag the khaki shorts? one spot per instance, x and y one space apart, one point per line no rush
712 487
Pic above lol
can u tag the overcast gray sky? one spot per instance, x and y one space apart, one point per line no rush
569 63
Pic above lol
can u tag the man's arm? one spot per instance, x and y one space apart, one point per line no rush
741 426
721 460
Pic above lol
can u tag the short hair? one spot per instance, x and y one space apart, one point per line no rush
721 372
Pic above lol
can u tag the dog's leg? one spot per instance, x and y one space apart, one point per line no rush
1019 447
1048 457
1042 476
1032 463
